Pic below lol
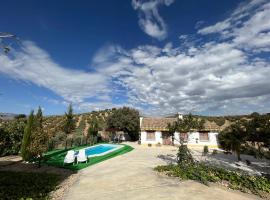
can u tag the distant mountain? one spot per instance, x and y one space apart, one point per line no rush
7 116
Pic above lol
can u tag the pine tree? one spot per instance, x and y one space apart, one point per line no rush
69 125
39 118
26 137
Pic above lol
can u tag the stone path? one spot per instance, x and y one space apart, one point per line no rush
131 176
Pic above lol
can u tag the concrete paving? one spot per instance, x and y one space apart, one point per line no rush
131 176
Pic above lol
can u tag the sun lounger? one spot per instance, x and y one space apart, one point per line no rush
81 157
70 157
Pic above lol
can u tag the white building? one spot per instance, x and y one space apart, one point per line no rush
154 131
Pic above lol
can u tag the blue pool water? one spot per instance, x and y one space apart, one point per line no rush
98 149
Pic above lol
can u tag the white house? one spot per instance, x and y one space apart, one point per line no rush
154 131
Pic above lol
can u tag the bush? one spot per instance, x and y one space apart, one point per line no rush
215 152
204 174
205 150
11 134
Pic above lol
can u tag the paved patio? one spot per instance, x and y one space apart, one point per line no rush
131 176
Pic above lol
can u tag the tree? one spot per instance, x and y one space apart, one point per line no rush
189 123
233 137
185 125
39 138
27 136
125 119
258 129
69 124
172 128
11 134
93 129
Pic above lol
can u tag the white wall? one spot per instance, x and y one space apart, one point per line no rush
193 139
158 138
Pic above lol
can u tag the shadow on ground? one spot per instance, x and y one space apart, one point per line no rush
22 179
168 158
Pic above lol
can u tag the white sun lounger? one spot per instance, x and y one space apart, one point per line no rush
81 157
70 157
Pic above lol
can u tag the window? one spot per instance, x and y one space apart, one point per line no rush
150 136
183 136
204 136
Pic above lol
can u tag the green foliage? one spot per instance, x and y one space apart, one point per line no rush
215 152
27 137
93 130
22 185
258 129
184 156
205 174
172 128
11 133
125 119
20 116
218 120
243 133
188 123
233 137
38 138
69 124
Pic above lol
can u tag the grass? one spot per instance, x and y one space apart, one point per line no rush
56 157
22 185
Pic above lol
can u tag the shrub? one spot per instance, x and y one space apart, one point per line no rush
205 150
149 145
205 174
11 134
215 152
77 141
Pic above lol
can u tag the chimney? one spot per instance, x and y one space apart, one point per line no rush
180 116
141 118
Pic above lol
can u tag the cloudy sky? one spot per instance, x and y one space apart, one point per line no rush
159 56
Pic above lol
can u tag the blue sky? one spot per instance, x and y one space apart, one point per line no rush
161 56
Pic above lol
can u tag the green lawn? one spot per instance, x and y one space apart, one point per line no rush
22 185
56 158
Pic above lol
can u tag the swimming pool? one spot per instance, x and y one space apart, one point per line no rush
101 149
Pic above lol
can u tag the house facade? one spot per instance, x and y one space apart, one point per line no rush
154 131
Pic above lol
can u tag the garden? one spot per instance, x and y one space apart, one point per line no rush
187 168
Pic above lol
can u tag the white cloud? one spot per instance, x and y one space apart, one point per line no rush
218 27
216 77
248 26
34 65
150 20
